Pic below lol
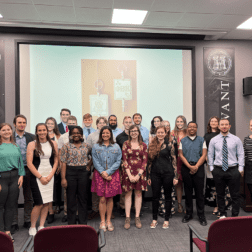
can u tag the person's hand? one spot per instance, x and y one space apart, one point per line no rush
20 182
64 183
136 178
175 181
242 173
193 169
44 181
88 168
132 178
49 177
149 182
104 174
109 178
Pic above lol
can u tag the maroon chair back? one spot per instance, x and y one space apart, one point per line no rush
6 244
66 238
231 234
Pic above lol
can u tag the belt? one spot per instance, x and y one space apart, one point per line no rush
192 163
229 167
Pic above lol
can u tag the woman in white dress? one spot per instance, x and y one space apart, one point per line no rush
42 160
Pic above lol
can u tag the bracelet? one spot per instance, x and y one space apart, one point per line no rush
40 177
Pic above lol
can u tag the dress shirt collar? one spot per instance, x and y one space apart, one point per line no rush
228 135
64 125
110 144
16 135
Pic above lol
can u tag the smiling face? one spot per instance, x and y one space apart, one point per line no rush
106 135
88 122
64 115
50 125
137 119
157 122
20 124
167 125
101 124
134 133
112 120
214 123
180 123
41 132
127 123
224 126
192 129
76 135
161 134
6 132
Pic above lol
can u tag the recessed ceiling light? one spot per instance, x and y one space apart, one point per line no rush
121 16
1 16
246 25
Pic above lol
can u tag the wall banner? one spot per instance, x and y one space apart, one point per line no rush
219 84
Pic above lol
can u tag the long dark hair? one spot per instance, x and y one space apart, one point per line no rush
209 128
155 146
38 147
11 137
153 128
56 129
140 141
111 140
71 132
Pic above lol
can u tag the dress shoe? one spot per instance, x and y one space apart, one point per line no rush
64 219
50 218
187 218
202 220
14 228
27 224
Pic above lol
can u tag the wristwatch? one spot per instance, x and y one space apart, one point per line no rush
139 174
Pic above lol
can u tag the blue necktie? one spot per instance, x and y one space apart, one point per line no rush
88 130
224 155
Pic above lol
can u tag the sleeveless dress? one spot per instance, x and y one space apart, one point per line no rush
43 194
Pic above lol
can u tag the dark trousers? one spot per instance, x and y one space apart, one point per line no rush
196 182
230 178
250 190
8 198
28 200
158 180
57 189
77 186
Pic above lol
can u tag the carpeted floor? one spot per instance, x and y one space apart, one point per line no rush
175 238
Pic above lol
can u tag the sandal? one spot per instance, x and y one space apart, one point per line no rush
165 225
153 224
110 226
103 226
180 208
12 239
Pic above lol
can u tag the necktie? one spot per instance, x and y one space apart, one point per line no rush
88 130
66 129
224 154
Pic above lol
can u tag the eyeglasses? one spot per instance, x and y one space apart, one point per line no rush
133 131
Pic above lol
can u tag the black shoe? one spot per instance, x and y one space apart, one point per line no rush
122 212
50 218
27 224
187 218
14 228
202 220
64 219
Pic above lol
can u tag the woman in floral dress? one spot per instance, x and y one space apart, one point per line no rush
135 156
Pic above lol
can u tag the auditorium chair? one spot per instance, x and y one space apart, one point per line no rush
225 235
69 238
6 244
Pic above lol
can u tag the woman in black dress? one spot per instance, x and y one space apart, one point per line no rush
163 172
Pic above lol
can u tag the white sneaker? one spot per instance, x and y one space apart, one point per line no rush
39 228
222 217
32 231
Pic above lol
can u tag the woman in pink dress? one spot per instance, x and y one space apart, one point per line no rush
135 158
179 132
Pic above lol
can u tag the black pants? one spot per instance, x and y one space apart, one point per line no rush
250 190
57 189
77 186
8 198
230 178
196 182
158 180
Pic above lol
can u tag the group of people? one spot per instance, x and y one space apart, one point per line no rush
118 162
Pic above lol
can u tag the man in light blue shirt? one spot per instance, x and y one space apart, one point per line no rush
88 129
137 119
226 161
113 125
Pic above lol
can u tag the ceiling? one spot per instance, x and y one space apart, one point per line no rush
216 19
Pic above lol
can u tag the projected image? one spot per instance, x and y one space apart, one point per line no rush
104 81
114 89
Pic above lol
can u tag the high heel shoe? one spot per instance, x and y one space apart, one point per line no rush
180 208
